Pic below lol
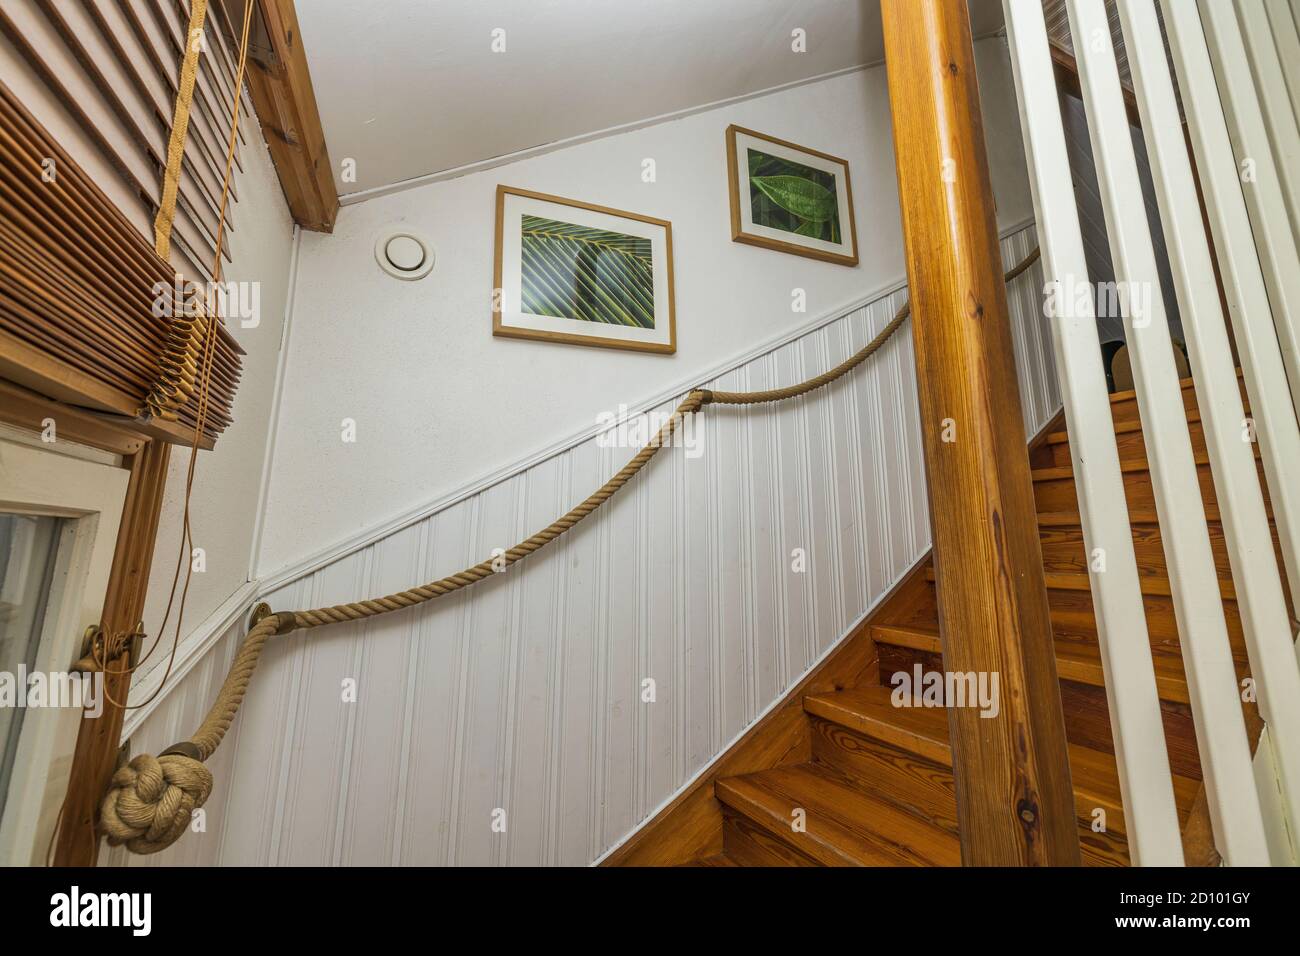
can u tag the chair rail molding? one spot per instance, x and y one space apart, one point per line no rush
524 693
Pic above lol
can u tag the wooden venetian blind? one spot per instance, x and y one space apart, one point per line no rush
88 96
78 303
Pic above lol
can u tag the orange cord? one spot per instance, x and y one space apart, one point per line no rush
209 318
209 350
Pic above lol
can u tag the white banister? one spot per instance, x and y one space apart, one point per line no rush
1258 587
1265 197
1274 101
1193 580
1243 279
1145 783
1286 34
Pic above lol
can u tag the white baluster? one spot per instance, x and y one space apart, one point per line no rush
1141 755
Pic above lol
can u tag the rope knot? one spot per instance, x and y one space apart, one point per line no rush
150 800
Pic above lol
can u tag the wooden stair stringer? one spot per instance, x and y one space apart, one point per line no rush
692 825
874 783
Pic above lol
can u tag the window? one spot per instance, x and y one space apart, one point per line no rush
60 507
28 553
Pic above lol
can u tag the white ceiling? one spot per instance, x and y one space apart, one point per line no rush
408 88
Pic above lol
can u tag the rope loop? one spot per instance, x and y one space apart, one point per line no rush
150 800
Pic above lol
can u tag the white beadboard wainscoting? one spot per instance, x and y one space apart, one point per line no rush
520 701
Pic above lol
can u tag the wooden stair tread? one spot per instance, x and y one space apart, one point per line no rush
1122 429
868 710
1130 394
1072 519
1126 466
1155 584
917 638
914 637
844 826
1075 661
1062 437
877 786
1082 663
923 731
717 859
1150 584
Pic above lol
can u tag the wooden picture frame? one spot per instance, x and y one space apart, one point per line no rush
843 251
557 318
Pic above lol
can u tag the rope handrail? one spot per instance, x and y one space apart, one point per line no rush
150 800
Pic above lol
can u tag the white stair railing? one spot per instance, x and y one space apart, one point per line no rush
1273 98
1146 786
1228 437
1267 195
1254 804
1193 581
1256 335
1243 273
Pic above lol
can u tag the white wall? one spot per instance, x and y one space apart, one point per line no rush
439 402
227 490
524 693
228 480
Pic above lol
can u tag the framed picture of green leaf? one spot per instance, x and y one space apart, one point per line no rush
570 271
790 198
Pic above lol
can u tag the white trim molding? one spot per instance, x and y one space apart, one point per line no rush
526 695
279 577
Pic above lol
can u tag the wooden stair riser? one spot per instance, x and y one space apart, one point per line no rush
1131 443
914 783
1074 625
1074 622
1077 659
1129 440
1102 849
1087 724
1064 551
1087 715
713 862
1054 488
894 660
926 789
1124 408
752 845
843 826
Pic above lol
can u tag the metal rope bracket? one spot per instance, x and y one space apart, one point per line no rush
263 610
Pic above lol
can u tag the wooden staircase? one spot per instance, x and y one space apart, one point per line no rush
840 776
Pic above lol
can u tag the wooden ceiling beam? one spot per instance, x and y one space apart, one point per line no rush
280 84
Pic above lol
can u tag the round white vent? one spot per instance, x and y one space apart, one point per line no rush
404 254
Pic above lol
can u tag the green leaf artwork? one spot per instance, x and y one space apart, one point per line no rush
793 197
594 275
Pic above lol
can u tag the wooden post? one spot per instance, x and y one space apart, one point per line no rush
95 757
1015 805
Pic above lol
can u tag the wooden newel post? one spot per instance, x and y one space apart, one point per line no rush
1014 800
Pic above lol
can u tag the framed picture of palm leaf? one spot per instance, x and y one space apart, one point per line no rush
569 271
790 198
